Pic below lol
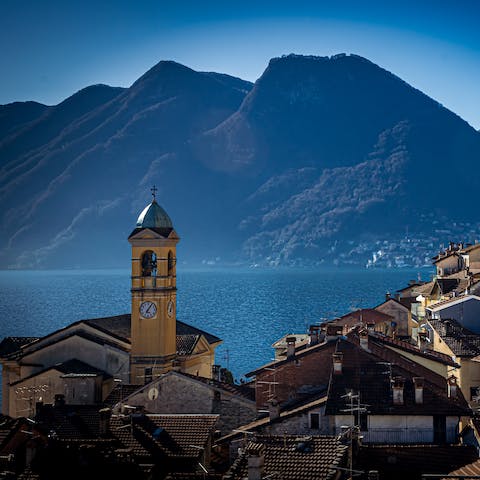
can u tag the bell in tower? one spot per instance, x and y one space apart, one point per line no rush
153 321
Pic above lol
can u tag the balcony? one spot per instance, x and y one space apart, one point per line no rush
399 436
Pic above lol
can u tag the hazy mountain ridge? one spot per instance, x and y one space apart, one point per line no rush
317 149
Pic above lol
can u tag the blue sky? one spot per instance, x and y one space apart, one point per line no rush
49 49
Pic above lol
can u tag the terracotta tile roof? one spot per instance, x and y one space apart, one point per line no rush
292 457
186 343
11 345
469 469
408 347
461 341
369 374
363 316
181 436
298 355
398 462
185 329
119 392
8 426
70 421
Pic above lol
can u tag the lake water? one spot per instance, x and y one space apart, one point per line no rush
248 309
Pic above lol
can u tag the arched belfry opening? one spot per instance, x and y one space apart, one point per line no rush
171 264
149 264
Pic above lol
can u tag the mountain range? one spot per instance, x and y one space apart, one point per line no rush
318 156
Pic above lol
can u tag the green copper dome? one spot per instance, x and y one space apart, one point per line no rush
154 216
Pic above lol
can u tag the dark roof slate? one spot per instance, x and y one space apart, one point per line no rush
10 345
120 326
370 375
408 347
164 435
461 341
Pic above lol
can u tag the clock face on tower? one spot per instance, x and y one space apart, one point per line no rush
148 309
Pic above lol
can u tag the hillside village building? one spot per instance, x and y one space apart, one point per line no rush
84 360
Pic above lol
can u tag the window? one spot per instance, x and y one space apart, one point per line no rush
171 263
148 374
474 393
149 264
363 420
315 421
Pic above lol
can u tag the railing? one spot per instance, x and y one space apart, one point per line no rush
405 435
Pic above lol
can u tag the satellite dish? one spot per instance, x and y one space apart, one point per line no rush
153 393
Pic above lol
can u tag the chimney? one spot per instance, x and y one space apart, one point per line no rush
452 386
424 342
104 421
418 383
388 296
256 460
59 400
364 339
273 409
333 331
291 347
314 334
397 389
322 333
337 363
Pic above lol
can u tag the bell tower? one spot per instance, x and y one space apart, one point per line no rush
154 294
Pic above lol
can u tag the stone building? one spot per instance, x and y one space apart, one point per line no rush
181 393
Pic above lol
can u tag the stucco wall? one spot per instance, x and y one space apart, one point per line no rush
43 387
466 312
104 357
400 315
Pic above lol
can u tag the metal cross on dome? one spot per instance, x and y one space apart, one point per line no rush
154 190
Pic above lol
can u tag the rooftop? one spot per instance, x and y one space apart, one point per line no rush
293 457
461 341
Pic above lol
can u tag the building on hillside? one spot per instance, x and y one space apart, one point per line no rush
457 257
83 360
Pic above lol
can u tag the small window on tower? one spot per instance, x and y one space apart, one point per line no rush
171 263
148 374
315 421
149 264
